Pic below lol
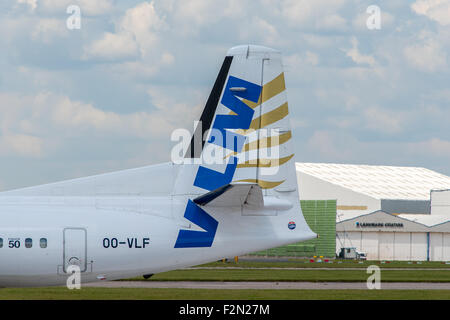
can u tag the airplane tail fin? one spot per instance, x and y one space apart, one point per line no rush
244 134
240 160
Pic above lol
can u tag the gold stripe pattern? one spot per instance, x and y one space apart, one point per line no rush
269 90
266 119
263 183
265 163
270 117
267 142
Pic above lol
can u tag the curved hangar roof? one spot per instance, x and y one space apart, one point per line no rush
380 182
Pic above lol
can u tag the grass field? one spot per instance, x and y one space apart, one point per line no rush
300 275
259 271
305 263
205 294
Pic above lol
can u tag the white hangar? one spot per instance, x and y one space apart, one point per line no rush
390 213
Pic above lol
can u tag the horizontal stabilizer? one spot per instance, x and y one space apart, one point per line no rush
233 195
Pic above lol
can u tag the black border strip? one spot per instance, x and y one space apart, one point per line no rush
210 196
207 116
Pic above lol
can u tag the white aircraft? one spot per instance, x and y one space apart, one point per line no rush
169 216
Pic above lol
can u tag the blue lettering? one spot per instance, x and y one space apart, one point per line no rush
193 239
244 114
209 179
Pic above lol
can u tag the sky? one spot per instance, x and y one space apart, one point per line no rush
106 96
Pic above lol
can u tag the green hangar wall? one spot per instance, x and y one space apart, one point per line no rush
321 218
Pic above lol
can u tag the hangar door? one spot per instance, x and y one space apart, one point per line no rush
402 246
439 246
386 246
369 244
75 248
398 245
419 246
446 247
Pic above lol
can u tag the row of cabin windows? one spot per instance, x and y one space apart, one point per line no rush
29 242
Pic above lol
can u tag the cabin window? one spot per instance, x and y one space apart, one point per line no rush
1 242
43 242
28 243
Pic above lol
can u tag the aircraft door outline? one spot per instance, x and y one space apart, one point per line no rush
75 248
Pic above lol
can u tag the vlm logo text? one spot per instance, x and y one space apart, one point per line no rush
209 179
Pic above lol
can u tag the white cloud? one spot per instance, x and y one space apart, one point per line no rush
331 22
341 147
317 40
191 16
360 21
435 147
47 29
297 60
381 120
33 124
97 7
428 55
437 10
298 123
160 53
325 143
322 12
113 47
311 58
178 111
136 32
357 57
135 69
77 115
260 30
197 12
88 7
31 3
167 58
143 22
21 144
